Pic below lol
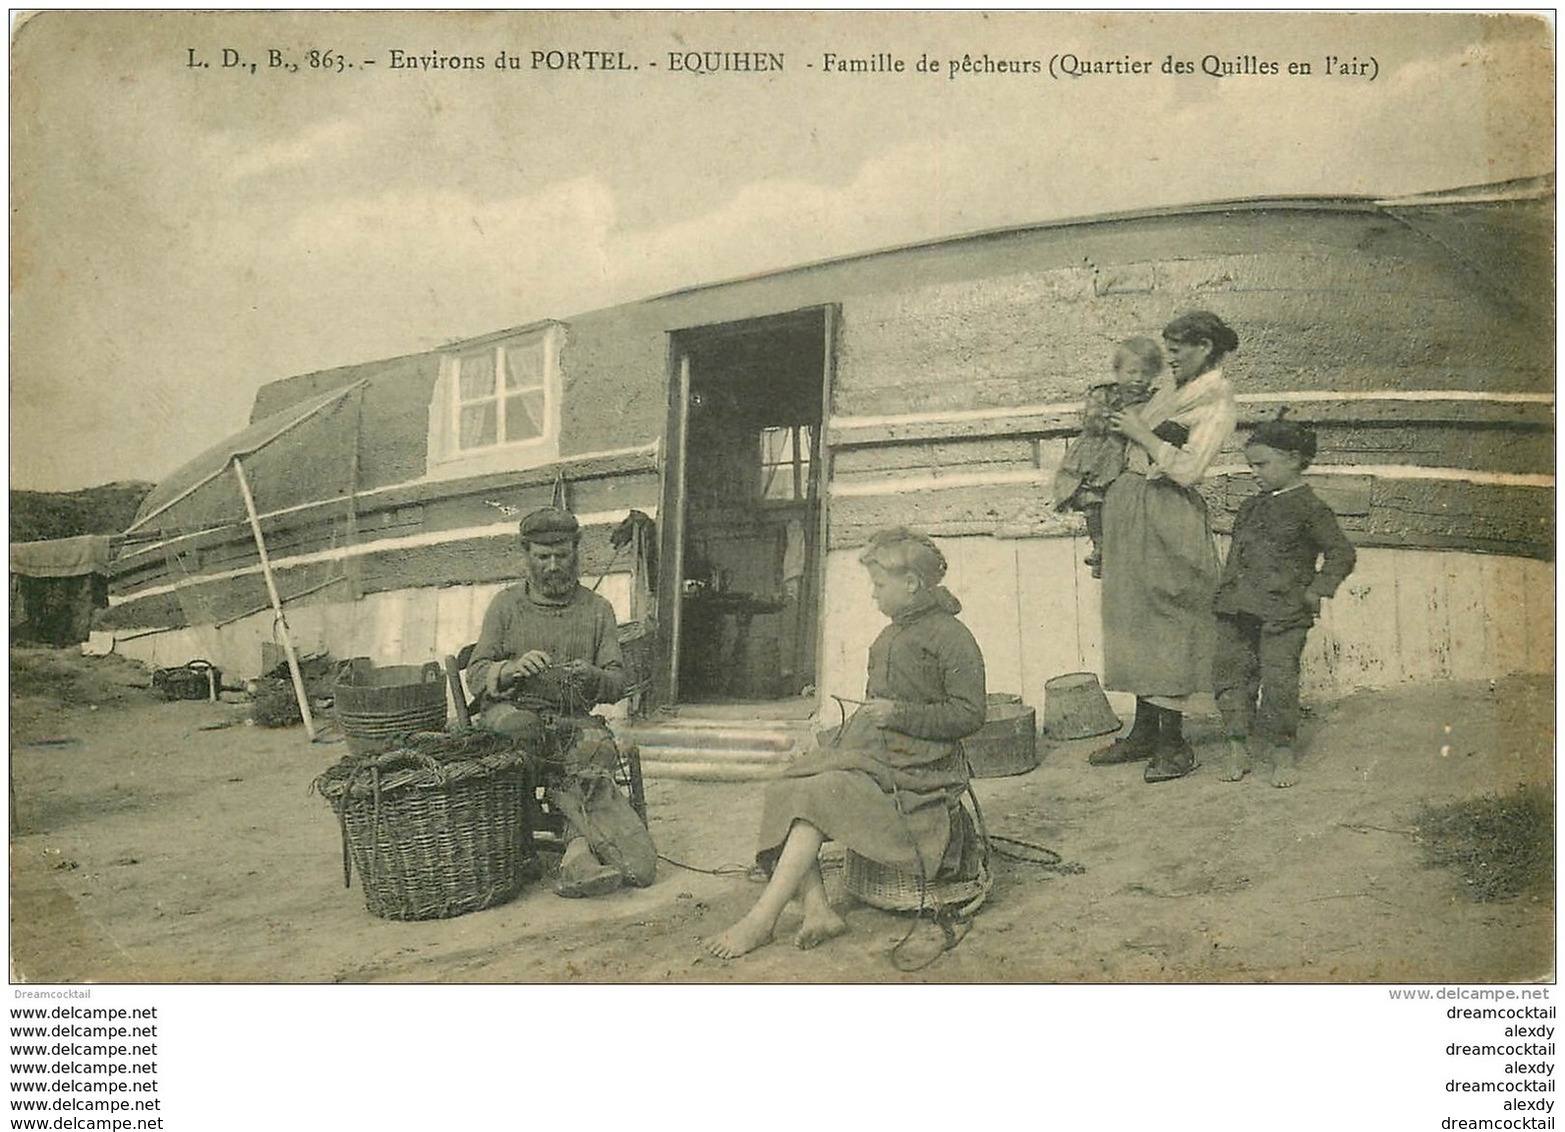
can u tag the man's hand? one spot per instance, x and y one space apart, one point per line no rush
577 669
879 712
530 663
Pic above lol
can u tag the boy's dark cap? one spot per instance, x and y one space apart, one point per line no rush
551 526
1285 436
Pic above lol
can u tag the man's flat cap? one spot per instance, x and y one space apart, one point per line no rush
550 525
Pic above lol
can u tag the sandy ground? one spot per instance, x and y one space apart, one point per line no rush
147 849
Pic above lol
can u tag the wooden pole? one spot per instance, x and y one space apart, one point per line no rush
351 566
454 682
677 525
277 603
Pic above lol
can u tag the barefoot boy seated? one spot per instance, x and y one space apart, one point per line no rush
889 788
1269 596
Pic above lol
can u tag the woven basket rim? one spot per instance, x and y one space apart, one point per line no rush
895 890
458 772
408 720
445 758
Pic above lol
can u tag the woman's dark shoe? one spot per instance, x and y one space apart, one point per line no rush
1133 748
1173 760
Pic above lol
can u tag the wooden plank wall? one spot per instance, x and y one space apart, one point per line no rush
408 626
1403 616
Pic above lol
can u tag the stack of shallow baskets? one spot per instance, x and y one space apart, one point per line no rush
378 706
1007 743
435 827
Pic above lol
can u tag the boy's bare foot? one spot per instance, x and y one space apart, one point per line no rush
741 939
817 928
1237 763
1285 770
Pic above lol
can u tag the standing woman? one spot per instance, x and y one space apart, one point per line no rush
1160 563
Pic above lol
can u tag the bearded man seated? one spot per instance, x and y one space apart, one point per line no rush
548 653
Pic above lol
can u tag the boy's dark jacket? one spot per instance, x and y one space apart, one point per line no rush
1277 539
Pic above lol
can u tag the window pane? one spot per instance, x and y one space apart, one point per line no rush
478 425
524 416
524 366
477 376
777 482
776 446
785 462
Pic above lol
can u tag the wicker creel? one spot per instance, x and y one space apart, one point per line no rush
435 828
637 643
1008 741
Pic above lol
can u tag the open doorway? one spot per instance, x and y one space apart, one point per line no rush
746 512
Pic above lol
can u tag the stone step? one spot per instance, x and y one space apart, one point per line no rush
718 749
713 738
715 771
719 755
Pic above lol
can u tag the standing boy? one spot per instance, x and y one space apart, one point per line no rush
1288 552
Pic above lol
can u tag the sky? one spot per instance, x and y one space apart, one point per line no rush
183 234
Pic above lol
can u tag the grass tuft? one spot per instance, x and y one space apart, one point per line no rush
1501 844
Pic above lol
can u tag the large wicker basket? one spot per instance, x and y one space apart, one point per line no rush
435 828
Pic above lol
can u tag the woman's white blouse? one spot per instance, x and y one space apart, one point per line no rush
1206 407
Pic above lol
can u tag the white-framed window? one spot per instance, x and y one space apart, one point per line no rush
496 405
786 452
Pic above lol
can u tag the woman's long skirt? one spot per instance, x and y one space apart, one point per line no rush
1160 574
906 817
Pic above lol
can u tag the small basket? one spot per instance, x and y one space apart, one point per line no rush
1007 743
893 890
637 643
378 706
897 890
435 829
197 680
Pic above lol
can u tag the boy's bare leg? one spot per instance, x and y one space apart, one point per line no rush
1237 763
799 854
1285 765
821 921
